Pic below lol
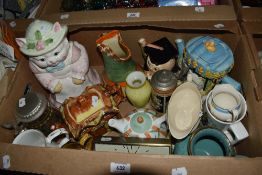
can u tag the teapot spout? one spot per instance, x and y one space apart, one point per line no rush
118 124
160 120
180 45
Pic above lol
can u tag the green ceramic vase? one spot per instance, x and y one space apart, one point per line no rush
138 89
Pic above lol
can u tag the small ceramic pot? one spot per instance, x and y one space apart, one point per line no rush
225 103
205 142
138 89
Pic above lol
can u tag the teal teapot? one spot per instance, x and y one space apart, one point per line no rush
209 60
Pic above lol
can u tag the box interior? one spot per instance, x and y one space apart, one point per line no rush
87 36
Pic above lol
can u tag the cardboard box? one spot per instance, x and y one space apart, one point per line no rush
67 161
245 13
253 33
224 11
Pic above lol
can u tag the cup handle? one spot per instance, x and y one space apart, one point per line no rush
63 142
57 133
236 132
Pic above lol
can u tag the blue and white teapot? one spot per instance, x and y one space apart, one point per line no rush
209 60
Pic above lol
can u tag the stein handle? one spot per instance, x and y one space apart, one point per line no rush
57 133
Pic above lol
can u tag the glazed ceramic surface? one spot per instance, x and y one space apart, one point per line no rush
158 55
61 66
205 142
141 123
116 55
209 58
225 103
34 137
221 120
184 110
138 89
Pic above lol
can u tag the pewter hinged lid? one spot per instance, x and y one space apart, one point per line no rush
163 80
30 107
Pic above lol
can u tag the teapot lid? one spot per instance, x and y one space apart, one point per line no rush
30 107
209 56
163 80
141 121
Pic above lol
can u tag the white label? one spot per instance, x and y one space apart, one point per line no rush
6 162
219 26
133 15
64 16
21 102
200 9
7 51
120 168
106 139
12 24
94 101
179 171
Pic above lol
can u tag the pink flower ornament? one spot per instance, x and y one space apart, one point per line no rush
40 45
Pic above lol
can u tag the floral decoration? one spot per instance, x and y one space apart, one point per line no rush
40 44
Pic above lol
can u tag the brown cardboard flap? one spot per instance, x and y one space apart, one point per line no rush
66 161
6 82
257 81
225 11
247 14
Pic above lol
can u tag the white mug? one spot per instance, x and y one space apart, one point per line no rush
33 137
225 103
214 121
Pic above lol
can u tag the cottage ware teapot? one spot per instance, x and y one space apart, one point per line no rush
61 66
141 123
209 58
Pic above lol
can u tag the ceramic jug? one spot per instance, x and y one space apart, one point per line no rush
138 89
141 123
116 56
209 58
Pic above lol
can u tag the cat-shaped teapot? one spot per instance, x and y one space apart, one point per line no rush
60 65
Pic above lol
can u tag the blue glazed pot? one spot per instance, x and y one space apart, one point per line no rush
209 58
205 141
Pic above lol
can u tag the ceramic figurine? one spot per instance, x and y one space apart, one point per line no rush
60 65
208 57
158 55
141 123
117 57
138 89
